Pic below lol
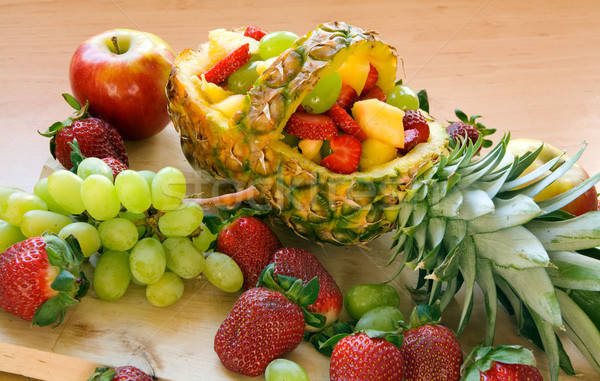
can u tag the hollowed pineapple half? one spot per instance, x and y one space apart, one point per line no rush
246 148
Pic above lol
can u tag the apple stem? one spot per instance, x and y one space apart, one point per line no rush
116 44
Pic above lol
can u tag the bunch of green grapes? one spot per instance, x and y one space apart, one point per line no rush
139 226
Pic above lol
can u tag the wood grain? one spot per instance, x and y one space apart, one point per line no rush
530 68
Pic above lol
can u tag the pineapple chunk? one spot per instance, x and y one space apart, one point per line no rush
380 120
213 93
261 66
376 152
222 42
230 105
311 149
354 72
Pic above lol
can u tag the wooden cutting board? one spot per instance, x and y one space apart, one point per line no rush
176 342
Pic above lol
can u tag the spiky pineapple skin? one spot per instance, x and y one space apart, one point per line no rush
247 151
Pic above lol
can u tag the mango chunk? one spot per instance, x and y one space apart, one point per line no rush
380 121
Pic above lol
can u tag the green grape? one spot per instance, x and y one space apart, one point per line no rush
86 234
17 204
118 234
168 189
40 189
203 240
403 97
166 291
382 318
283 369
35 222
147 260
324 94
148 175
112 275
9 235
100 197
275 43
94 166
4 193
241 80
65 189
223 272
183 258
181 222
133 191
364 297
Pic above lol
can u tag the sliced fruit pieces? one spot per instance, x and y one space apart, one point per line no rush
225 67
375 152
255 32
346 155
311 126
355 71
345 123
380 121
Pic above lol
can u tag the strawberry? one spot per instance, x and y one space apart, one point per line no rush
115 165
255 32
347 97
121 373
360 357
414 120
374 93
372 78
346 155
40 278
251 243
224 68
468 128
262 325
304 125
502 363
411 139
345 123
96 137
431 351
302 264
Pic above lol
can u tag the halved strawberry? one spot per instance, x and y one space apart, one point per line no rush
345 123
413 119
311 126
232 62
347 96
411 139
372 78
374 93
346 155
255 32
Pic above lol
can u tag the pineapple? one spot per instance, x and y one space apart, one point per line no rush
247 150
468 221
458 221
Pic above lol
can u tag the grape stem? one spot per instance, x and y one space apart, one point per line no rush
226 199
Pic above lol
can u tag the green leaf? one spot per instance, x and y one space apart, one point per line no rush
507 213
589 302
64 281
534 288
582 232
72 101
423 100
485 280
53 310
513 247
563 199
509 188
550 344
476 203
309 293
448 205
574 271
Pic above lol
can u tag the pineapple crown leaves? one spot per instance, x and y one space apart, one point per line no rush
295 291
79 114
103 373
465 222
70 283
483 358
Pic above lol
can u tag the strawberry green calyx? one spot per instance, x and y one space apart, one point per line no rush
424 314
79 114
70 282
294 290
103 373
472 121
484 357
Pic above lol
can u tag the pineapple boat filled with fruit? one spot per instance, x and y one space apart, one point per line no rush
317 125
319 128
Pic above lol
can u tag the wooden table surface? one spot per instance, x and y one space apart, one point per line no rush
529 67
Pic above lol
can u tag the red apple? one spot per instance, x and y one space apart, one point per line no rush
575 175
123 73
